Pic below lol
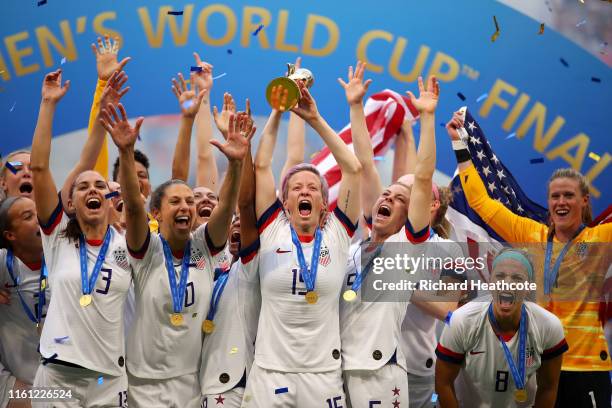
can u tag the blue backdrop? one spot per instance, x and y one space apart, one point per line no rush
554 108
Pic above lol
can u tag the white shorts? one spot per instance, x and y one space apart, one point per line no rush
178 392
228 399
382 388
276 389
420 390
88 388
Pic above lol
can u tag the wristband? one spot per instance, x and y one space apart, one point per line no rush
462 155
459 145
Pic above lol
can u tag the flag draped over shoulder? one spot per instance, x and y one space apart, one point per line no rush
385 112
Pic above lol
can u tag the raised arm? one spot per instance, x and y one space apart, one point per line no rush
404 158
190 101
44 186
112 94
206 173
355 91
348 196
296 138
265 190
246 203
239 135
125 136
420 196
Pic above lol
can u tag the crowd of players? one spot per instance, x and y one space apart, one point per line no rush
247 296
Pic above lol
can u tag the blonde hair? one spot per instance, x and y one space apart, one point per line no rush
583 184
8 158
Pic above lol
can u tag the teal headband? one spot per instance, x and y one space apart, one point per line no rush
515 256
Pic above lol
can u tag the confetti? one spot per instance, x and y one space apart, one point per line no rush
176 13
496 33
187 104
594 156
434 398
63 61
100 380
537 160
448 318
511 135
261 26
379 158
564 62
595 79
220 76
581 23
196 69
112 194
541 29
234 350
443 124
281 390
481 97
229 51
13 107
11 167
60 340
42 3
461 96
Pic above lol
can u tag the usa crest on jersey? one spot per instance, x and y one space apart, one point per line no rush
581 250
120 256
197 258
324 258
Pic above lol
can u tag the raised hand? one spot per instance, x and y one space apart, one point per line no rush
113 93
123 134
455 123
222 119
306 107
189 102
428 98
52 90
239 135
355 89
203 79
106 57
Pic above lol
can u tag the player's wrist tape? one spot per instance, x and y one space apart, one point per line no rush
462 155
459 144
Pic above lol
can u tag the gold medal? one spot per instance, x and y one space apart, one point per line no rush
520 395
349 295
176 319
85 300
208 326
312 297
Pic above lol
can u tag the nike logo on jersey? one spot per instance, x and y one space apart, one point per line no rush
281 251
472 353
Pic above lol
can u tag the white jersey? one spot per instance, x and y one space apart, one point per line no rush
469 340
228 352
156 348
419 328
91 336
294 336
18 334
370 330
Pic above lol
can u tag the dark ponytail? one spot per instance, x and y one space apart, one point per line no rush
5 221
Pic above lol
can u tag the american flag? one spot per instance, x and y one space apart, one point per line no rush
501 185
385 112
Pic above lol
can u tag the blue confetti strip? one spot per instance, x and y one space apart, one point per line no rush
448 318
176 13
196 69
511 135
595 79
434 398
261 26
100 380
443 124
564 62
13 107
281 390
220 76
42 3
63 61
538 160
11 167
60 340
461 96
482 97
229 51
112 194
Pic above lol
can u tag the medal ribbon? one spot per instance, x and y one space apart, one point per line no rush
360 276
178 293
309 275
518 374
88 285
35 316
550 277
216 295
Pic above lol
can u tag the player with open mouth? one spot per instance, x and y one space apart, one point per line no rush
499 343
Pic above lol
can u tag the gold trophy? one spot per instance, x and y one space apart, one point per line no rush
290 83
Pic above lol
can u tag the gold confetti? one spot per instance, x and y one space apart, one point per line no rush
234 350
594 156
541 29
496 33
